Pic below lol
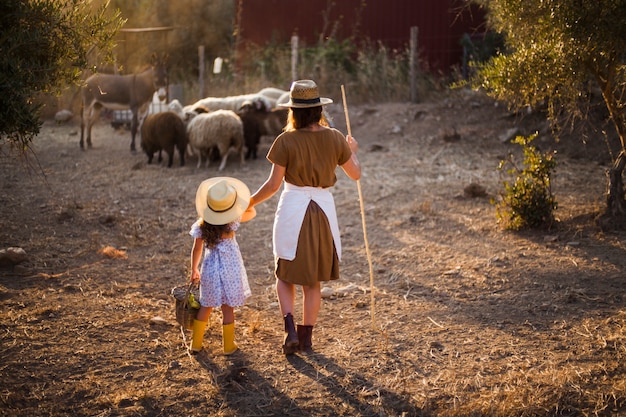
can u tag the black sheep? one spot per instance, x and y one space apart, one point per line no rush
257 122
163 132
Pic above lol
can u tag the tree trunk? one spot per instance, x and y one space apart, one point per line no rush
615 203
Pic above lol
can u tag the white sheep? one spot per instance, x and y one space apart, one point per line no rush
283 98
63 116
267 96
232 103
185 113
221 129
177 108
274 95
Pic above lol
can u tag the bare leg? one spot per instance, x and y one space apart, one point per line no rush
312 300
286 296
204 313
228 314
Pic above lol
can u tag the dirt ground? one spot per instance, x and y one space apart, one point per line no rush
465 319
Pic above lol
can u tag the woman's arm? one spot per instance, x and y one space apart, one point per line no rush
352 168
269 187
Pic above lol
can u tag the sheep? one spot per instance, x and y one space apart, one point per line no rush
63 116
257 122
275 122
283 98
267 96
274 95
164 131
185 113
232 103
176 107
252 128
221 129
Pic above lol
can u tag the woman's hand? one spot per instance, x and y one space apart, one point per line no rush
352 168
354 145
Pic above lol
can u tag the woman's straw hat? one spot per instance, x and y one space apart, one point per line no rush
221 200
304 93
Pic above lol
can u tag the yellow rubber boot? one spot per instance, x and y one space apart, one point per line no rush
228 338
197 335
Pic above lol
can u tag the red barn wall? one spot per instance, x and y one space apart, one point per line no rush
440 23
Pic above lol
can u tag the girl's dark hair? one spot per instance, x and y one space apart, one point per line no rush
212 233
303 117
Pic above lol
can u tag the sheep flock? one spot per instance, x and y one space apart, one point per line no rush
214 127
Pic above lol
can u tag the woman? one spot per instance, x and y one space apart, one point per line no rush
307 248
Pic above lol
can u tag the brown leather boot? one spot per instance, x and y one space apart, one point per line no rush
304 338
291 341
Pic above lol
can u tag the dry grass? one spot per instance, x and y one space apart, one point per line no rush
469 320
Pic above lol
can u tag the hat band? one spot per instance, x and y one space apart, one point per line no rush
306 101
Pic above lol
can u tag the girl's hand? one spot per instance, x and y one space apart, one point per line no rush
195 276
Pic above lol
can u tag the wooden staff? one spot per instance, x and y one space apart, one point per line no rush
358 186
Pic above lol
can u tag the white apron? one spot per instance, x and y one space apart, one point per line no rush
292 206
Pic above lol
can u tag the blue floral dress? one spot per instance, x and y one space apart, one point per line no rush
223 278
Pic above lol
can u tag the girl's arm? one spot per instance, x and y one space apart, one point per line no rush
196 256
248 215
269 187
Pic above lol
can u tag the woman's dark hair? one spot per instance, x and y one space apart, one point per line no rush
303 117
212 233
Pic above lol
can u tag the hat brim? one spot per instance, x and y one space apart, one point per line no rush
212 217
323 101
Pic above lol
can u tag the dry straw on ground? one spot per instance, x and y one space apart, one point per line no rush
471 320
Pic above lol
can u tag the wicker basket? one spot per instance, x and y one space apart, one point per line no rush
185 314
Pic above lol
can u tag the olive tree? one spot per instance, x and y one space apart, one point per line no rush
44 45
556 49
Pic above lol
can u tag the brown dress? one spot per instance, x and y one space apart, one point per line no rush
310 159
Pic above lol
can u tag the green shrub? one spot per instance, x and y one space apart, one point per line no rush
528 202
44 45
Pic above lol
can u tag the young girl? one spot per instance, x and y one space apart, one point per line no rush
221 203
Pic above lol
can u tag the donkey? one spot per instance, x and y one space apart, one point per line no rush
122 92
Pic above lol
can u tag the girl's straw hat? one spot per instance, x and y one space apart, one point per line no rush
221 200
304 93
